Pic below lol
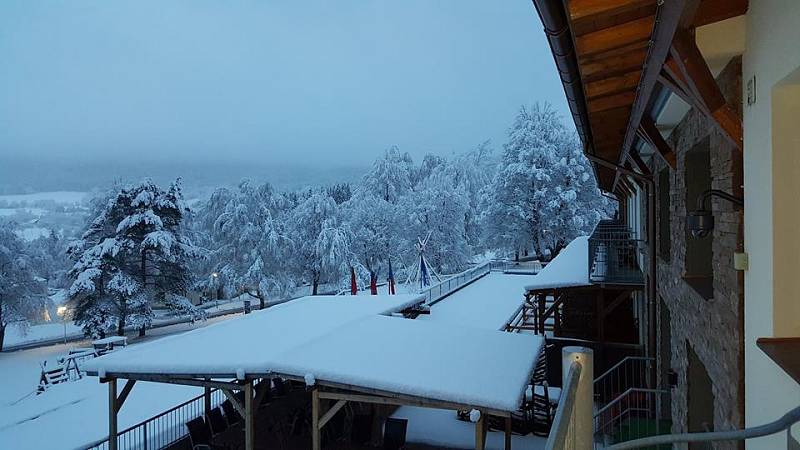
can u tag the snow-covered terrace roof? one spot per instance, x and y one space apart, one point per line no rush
346 341
569 269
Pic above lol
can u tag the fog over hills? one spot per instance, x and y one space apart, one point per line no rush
23 175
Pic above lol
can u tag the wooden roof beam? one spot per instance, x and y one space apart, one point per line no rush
639 163
612 85
651 135
672 15
711 11
613 101
701 81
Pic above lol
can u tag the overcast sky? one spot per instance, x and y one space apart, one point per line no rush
266 81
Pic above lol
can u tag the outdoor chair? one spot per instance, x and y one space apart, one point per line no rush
200 435
231 414
394 433
216 421
279 387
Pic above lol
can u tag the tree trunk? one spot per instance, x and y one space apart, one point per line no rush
315 284
261 302
2 336
141 331
121 326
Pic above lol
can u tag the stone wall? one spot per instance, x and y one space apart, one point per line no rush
712 327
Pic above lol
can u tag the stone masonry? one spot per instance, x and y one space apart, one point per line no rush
713 327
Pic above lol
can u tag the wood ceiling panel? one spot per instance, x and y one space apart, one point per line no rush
612 85
614 37
613 101
595 68
587 16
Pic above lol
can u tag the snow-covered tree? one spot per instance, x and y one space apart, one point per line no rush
21 296
321 241
248 242
134 253
391 177
544 194
377 232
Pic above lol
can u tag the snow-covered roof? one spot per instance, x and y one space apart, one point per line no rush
569 269
349 340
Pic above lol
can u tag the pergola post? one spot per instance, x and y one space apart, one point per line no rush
508 434
315 434
112 414
207 401
480 432
249 430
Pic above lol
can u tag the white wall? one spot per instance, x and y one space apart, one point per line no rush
773 52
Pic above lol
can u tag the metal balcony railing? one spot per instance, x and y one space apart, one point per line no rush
615 255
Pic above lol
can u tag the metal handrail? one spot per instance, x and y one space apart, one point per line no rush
561 421
621 362
103 443
783 423
625 394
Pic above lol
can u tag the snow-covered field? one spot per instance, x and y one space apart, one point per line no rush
73 414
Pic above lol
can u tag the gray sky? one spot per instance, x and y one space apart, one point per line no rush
266 81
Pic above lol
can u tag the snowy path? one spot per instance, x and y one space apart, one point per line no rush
73 414
487 303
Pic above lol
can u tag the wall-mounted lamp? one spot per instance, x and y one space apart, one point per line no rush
701 221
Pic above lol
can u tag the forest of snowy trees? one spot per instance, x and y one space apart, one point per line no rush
143 248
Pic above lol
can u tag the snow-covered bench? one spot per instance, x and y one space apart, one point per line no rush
105 345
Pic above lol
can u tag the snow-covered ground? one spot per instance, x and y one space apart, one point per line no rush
442 428
73 414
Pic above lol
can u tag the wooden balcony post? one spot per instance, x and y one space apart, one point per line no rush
112 414
315 432
249 430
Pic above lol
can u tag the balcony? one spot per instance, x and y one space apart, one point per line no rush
615 256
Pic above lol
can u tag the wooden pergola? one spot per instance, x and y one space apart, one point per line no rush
256 386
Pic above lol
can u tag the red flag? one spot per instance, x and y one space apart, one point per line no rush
353 285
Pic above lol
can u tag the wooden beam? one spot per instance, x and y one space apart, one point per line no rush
381 400
168 379
507 434
249 422
625 295
315 426
614 37
480 432
331 412
112 414
648 128
672 15
702 82
235 402
126 390
637 160
712 11
677 87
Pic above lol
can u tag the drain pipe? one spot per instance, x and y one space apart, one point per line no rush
651 250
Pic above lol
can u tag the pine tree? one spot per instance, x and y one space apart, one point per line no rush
134 252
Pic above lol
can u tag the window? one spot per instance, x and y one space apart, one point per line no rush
699 268
664 238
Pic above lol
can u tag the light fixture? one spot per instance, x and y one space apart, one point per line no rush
61 311
701 222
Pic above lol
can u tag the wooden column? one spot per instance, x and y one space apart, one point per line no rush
315 435
207 400
508 433
249 429
480 432
112 414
